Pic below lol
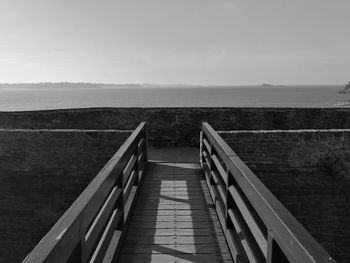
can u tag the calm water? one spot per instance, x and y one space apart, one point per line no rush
17 99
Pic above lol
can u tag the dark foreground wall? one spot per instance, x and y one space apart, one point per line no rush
309 171
180 126
41 174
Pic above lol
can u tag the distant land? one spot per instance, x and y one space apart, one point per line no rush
64 85
346 89
272 85
86 85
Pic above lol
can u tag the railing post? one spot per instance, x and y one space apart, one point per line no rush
78 254
142 163
137 167
211 152
120 202
201 147
83 251
274 253
229 201
269 246
146 145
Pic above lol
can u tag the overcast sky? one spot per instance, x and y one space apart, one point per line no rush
220 42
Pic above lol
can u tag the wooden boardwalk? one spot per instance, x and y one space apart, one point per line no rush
174 219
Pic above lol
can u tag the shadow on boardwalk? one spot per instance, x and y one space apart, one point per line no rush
174 219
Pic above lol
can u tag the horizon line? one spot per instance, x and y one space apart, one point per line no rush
170 85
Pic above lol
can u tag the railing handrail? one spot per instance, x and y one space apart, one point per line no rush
71 229
294 240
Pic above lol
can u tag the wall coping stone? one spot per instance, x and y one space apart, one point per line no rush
62 130
285 131
343 108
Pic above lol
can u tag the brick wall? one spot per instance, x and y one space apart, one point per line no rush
41 174
309 172
180 126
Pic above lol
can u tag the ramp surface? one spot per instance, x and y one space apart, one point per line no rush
174 219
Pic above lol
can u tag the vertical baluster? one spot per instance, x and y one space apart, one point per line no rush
269 247
274 252
201 148
229 199
211 166
137 167
120 202
83 251
141 165
145 136
78 254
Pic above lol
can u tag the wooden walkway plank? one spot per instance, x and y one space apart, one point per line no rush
171 232
174 219
179 258
166 218
181 240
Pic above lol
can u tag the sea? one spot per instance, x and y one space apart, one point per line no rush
41 98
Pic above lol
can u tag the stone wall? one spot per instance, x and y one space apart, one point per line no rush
309 171
41 174
43 171
180 126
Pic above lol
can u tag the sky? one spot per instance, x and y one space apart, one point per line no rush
208 42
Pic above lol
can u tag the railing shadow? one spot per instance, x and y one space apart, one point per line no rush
174 218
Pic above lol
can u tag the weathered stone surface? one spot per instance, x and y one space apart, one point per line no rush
180 126
41 174
309 172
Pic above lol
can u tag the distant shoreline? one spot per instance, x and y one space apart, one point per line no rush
36 97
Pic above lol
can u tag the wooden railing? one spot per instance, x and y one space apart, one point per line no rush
93 228
258 228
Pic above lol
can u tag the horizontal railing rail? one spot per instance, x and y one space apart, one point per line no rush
258 228
93 228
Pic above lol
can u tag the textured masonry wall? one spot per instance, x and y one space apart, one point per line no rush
309 172
41 174
180 126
